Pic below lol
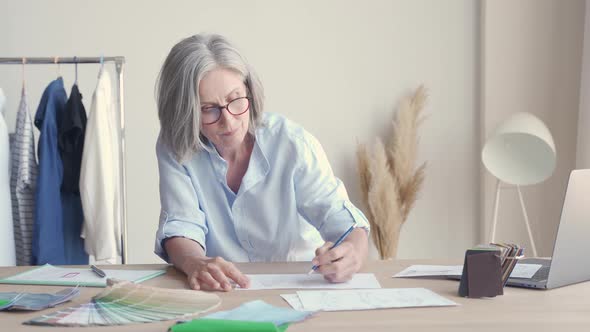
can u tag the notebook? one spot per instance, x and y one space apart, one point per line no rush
65 276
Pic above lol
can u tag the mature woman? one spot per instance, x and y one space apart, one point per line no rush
240 185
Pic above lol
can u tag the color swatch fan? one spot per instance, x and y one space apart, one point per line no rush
126 303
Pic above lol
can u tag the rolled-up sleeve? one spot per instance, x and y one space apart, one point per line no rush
180 214
321 197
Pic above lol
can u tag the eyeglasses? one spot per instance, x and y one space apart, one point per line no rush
212 114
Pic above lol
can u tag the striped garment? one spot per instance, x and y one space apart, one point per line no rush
22 182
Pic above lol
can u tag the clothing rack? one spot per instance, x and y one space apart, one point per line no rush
119 63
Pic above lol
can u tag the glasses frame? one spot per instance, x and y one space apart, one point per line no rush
226 107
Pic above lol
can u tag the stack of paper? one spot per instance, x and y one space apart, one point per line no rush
36 301
363 299
126 302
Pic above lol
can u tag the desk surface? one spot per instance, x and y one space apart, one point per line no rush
562 309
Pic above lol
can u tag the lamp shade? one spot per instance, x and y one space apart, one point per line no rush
520 151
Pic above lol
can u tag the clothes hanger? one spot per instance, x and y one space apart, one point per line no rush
23 71
56 61
76 70
101 65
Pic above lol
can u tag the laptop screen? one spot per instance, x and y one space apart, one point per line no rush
570 262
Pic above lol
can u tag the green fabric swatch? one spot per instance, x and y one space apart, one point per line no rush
221 325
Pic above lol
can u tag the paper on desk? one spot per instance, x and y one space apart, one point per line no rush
300 281
293 300
520 271
430 271
364 299
260 311
53 275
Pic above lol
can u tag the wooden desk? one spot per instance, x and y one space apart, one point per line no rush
562 309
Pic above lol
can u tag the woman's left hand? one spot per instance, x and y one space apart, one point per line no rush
342 262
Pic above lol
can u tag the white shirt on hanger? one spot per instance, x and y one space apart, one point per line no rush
100 177
8 256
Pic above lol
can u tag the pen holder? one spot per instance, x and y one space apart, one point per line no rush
482 274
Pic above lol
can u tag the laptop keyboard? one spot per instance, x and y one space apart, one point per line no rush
541 274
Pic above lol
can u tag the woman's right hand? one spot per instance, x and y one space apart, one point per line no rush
214 274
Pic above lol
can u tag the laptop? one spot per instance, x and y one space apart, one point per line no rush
569 263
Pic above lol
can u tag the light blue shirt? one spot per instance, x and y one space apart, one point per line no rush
288 200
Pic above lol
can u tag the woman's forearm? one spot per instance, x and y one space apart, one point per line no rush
182 250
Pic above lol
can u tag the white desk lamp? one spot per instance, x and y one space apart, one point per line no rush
520 152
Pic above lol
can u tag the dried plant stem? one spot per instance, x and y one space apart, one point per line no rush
383 199
389 179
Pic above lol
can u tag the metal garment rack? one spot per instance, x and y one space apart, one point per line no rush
119 62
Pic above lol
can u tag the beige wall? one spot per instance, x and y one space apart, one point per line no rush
337 67
583 146
532 51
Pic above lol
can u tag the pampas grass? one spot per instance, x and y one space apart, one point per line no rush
389 178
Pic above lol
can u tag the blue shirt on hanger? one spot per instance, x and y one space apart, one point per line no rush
49 242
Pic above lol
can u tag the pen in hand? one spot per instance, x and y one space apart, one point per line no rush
337 243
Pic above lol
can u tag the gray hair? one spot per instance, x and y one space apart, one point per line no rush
177 90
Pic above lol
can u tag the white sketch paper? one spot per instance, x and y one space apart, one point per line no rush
364 299
303 281
520 271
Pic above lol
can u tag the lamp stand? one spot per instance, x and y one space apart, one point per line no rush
524 213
